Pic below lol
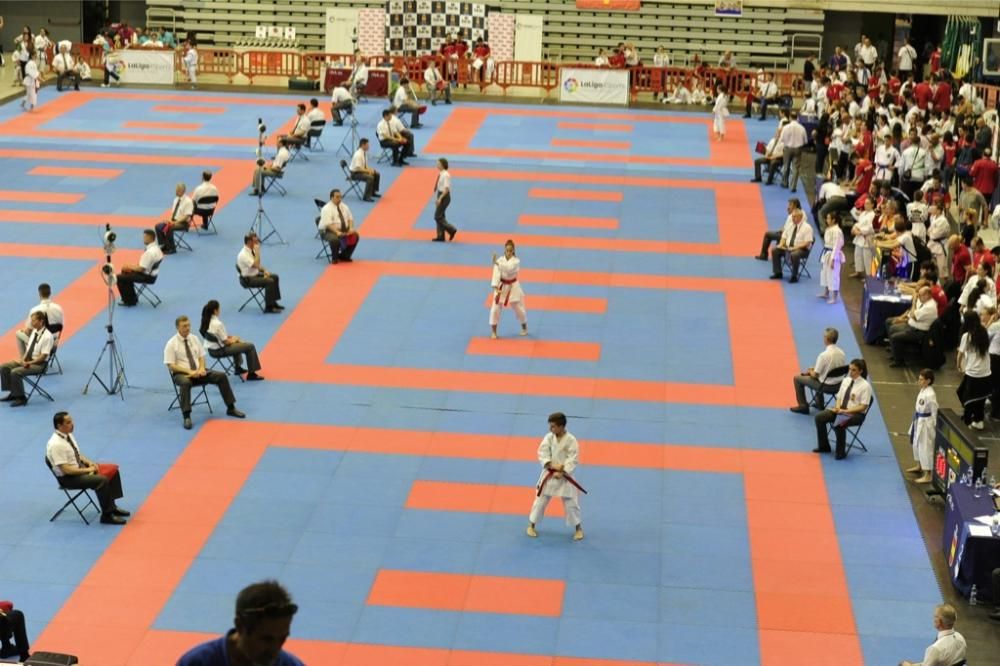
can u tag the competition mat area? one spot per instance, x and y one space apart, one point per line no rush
387 465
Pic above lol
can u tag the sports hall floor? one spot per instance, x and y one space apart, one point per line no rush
387 465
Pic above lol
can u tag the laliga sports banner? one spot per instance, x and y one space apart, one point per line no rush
593 86
146 66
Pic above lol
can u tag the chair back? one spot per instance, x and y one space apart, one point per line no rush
206 205
55 329
155 270
319 202
837 373
316 128
52 470
343 166
239 274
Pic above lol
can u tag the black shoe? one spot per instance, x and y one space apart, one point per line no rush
800 409
239 371
417 126
368 199
776 277
793 279
279 306
340 124
451 235
840 455
437 240
755 180
235 413
403 163
346 259
413 156
746 115
121 513
272 310
254 377
112 519
821 450
335 260
8 398
897 364
447 101
18 402
128 304
760 257
377 195
187 423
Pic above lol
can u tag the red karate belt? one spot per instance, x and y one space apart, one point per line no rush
566 476
508 283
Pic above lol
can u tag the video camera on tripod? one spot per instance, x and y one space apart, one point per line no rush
116 380
108 269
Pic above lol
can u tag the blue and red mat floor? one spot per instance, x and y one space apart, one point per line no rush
387 466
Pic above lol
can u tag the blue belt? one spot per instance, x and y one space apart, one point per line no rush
913 423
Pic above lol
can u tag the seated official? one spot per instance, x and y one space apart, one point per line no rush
77 472
143 272
435 84
300 130
180 220
315 114
206 188
336 225
66 68
53 317
12 628
831 358
275 168
773 236
833 198
405 101
772 157
796 241
359 75
32 362
360 171
248 261
220 344
767 93
264 613
948 648
340 100
853 399
397 127
912 327
387 138
184 356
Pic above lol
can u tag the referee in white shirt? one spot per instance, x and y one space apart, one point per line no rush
360 171
793 138
442 198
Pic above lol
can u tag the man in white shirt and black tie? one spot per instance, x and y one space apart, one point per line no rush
180 219
143 272
75 471
397 127
831 358
387 138
442 198
206 188
853 399
405 101
360 171
32 362
300 130
340 100
435 84
65 67
275 168
53 315
248 261
336 224
184 356
796 241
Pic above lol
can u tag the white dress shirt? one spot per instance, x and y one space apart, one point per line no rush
175 354
802 232
181 208
59 452
383 131
314 115
401 97
359 161
204 190
861 392
53 311
152 254
829 359
245 260
340 95
793 135
281 159
42 340
947 650
328 215
396 125
218 329
923 315
443 182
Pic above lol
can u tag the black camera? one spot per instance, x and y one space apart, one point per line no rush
261 127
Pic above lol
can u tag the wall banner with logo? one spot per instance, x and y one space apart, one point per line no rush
140 66
593 86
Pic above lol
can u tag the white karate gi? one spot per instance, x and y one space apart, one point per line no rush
923 427
505 270
832 258
863 241
565 452
191 65
31 76
719 113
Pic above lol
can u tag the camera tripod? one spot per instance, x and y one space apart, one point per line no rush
117 381
261 221
351 139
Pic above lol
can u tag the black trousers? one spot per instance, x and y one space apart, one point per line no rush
126 285
439 217
771 164
107 489
900 337
339 247
395 146
69 74
236 350
839 431
184 384
796 257
410 149
272 290
346 105
108 75
414 111
371 181
832 205
769 237
12 626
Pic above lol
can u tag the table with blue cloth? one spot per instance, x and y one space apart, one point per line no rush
877 306
971 559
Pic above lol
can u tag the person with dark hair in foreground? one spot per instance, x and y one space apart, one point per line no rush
264 613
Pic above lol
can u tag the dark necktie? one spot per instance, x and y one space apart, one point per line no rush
343 222
847 395
28 355
795 230
437 183
187 350
173 215
76 450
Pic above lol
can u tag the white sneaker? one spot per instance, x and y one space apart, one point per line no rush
104 85
978 425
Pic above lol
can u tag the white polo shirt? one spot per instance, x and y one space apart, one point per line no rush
51 310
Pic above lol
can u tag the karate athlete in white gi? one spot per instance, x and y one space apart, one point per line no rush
506 289
923 426
559 454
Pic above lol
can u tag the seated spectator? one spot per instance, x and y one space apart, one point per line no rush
775 235
405 101
274 168
66 67
184 357
340 100
31 362
679 95
815 378
336 225
949 647
602 58
772 157
12 627
180 220
911 328
853 399
142 272
220 344
796 241
928 278
77 472
53 316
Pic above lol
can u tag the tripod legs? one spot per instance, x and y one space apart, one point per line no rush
116 369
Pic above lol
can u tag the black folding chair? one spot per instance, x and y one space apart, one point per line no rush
385 155
145 289
853 431
256 293
271 179
55 367
35 382
352 185
786 262
296 150
199 395
71 498
227 364
828 397
313 140
204 208
179 233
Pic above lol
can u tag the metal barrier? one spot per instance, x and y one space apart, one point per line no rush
269 63
519 74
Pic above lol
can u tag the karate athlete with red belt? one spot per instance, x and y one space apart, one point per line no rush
559 455
507 290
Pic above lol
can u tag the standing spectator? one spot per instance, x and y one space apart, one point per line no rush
191 63
907 57
794 139
974 363
984 174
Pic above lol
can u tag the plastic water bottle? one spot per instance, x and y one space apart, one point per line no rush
995 525
972 596
979 489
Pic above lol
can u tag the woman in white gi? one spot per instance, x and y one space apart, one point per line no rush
831 259
922 427
559 454
191 63
507 289
720 112
31 84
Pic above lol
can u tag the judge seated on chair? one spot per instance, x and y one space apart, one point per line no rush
180 220
405 101
32 362
336 224
275 169
141 272
796 241
53 313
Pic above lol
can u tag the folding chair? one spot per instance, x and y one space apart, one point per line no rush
35 381
71 498
55 367
296 150
837 373
204 208
853 431
271 180
179 233
786 262
325 247
352 185
313 140
227 364
145 289
385 155
256 293
198 397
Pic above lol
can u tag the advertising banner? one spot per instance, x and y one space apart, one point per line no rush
593 86
140 66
